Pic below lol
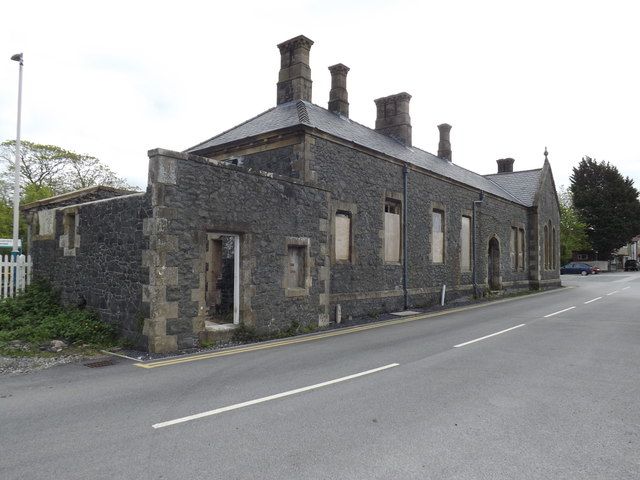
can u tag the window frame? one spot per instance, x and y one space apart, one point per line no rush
392 203
351 209
70 238
470 246
439 208
303 243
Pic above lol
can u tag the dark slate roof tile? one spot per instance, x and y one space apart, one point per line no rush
523 185
300 112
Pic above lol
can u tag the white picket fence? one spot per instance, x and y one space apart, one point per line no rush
15 274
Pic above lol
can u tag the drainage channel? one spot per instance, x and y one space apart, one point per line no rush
100 363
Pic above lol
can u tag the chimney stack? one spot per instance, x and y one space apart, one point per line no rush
444 145
505 165
294 79
393 117
338 95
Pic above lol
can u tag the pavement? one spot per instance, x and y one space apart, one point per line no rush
537 387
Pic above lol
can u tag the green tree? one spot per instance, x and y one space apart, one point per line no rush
47 170
573 231
607 202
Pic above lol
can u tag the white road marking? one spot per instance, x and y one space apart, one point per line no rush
120 355
611 293
626 288
270 397
593 300
487 336
560 311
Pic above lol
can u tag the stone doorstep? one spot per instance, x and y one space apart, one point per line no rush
210 326
217 332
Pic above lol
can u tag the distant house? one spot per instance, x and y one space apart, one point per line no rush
629 252
617 259
294 213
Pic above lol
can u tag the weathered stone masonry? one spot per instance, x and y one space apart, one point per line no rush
286 187
104 268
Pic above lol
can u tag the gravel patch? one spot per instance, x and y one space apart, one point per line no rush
21 365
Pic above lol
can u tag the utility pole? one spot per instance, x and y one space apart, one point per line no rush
18 57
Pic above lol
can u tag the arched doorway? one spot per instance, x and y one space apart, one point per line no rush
493 264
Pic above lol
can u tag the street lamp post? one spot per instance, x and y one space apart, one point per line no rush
18 57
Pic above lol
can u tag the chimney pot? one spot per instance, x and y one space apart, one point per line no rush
505 165
338 95
444 145
294 79
393 117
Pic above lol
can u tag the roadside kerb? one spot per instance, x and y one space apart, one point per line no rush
332 333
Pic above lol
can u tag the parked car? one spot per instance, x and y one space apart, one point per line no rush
577 267
631 265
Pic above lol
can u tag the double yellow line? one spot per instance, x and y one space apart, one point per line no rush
319 336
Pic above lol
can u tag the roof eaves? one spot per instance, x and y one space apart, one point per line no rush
74 194
244 141
195 147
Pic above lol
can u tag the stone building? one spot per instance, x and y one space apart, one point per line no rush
293 216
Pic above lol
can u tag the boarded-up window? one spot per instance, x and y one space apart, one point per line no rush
521 254
513 248
46 222
437 230
392 231
465 244
343 236
296 266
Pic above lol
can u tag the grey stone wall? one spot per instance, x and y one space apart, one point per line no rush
281 161
370 285
267 213
547 210
103 271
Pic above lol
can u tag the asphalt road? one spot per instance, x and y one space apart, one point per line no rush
557 397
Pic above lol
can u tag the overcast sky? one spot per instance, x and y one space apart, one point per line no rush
115 79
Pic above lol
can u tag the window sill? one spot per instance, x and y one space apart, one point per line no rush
296 292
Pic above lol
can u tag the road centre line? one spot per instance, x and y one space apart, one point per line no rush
271 397
559 311
487 336
332 333
592 300
611 293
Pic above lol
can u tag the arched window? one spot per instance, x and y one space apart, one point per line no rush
550 246
554 255
545 248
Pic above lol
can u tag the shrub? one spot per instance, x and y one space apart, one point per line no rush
37 315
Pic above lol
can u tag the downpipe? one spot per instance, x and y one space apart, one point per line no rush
405 209
474 247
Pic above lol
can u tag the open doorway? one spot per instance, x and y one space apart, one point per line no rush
223 278
493 264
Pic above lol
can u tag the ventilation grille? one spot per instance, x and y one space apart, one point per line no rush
303 115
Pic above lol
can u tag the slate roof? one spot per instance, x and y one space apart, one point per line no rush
305 113
523 185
